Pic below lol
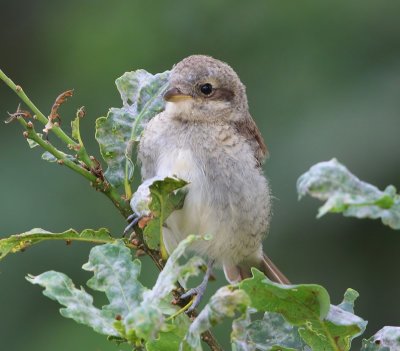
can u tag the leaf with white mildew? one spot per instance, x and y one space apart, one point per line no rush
343 192
78 303
141 93
386 339
20 242
227 302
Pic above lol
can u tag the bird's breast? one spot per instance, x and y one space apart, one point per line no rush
179 162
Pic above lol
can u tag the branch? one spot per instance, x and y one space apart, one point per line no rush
39 115
88 172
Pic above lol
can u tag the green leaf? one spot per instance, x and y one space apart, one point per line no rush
273 332
321 325
148 319
348 301
337 330
33 143
226 302
386 339
164 200
19 242
171 339
157 197
117 276
173 271
47 156
76 134
134 314
240 336
297 303
344 192
141 93
79 304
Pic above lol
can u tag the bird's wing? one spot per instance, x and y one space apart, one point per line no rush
249 130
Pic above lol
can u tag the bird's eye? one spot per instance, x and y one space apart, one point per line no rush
206 89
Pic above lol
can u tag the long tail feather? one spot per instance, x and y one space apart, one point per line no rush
272 271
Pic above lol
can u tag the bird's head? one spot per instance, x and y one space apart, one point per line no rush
204 89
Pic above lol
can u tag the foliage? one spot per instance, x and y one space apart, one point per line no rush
344 192
386 339
158 198
141 94
20 242
264 315
134 314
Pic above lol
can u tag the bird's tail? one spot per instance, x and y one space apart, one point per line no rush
236 273
271 271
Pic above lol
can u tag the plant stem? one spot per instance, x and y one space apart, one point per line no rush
31 134
99 184
102 185
39 115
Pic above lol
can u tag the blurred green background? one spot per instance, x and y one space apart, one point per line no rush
323 81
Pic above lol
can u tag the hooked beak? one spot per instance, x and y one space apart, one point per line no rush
175 95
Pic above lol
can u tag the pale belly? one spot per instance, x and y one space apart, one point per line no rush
207 211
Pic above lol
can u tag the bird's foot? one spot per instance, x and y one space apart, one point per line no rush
133 219
198 291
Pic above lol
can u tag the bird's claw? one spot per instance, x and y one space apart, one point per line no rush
198 293
133 219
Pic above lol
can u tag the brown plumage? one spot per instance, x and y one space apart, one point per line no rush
207 137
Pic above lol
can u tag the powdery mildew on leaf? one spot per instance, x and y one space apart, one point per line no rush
135 314
141 93
386 339
307 306
343 192
79 304
18 242
226 302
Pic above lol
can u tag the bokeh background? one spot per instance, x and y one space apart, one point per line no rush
323 81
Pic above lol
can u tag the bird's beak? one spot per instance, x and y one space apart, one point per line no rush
174 95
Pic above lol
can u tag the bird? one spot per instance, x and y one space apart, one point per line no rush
207 137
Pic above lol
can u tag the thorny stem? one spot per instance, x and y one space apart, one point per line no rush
102 185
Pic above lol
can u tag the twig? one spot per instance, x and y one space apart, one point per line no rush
39 115
91 172
97 182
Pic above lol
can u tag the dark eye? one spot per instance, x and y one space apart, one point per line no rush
206 89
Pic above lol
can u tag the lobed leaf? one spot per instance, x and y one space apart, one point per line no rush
157 197
240 333
226 302
386 339
117 276
78 303
171 339
343 192
321 325
273 332
141 93
166 197
19 242
297 303
173 271
134 313
148 319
